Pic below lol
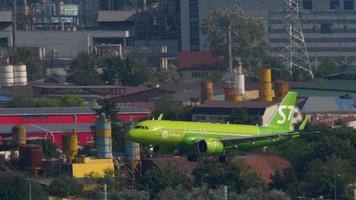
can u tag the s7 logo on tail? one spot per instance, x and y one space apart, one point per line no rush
283 114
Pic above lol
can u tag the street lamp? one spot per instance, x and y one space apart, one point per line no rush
29 188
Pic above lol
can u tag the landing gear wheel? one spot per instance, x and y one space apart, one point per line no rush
223 158
150 151
192 158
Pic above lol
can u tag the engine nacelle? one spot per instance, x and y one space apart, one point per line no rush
214 147
163 149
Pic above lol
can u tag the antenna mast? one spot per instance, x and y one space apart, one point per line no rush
295 54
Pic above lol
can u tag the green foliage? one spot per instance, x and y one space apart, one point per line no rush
258 194
36 102
64 186
325 68
16 188
215 174
128 71
129 194
171 109
71 101
49 148
84 71
169 75
320 160
26 56
247 34
155 180
241 116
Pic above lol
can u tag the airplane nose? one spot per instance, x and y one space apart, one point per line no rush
134 135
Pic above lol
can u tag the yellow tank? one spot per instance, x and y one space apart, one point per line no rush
238 98
19 134
265 77
70 146
207 90
281 89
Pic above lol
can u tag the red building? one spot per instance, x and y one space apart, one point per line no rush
52 123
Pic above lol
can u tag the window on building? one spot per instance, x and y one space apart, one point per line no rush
326 28
308 4
200 118
334 4
348 5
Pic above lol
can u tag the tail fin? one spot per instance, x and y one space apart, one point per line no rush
282 117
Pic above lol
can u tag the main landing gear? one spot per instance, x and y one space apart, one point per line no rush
150 151
223 158
192 158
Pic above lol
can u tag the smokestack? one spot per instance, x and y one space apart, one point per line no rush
265 78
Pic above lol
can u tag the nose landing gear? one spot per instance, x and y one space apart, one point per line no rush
150 151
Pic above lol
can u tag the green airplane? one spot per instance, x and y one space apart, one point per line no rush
196 138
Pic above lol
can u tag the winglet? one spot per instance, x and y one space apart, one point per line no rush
160 116
304 123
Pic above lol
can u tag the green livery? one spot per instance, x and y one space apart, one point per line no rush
193 138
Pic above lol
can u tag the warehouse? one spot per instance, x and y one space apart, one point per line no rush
53 123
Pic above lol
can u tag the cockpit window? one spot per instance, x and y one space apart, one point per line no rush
141 127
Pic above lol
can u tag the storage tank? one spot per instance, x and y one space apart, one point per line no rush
30 156
265 78
103 137
207 90
70 146
20 75
7 75
18 135
281 89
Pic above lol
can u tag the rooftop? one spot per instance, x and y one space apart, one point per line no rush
116 16
201 60
317 104
62 110
53 128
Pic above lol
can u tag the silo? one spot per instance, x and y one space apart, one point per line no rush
18 135
207 90
70 145
281 89
20 75
103 138
7 75
265 78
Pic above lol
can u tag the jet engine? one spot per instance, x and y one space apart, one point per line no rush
214 147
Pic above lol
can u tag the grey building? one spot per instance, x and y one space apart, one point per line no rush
329 26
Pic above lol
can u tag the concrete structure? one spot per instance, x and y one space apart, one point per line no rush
328 26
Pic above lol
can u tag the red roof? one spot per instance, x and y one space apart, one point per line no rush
197 60
265 165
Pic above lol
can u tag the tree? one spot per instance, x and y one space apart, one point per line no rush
128 71
155 180
247 35
84 71
169 75
129 194
36 102
16 188
216 174
170 108
26 56
64 186
324 177
71 101
325 68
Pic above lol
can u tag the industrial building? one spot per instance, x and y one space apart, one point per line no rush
328 26
53 123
